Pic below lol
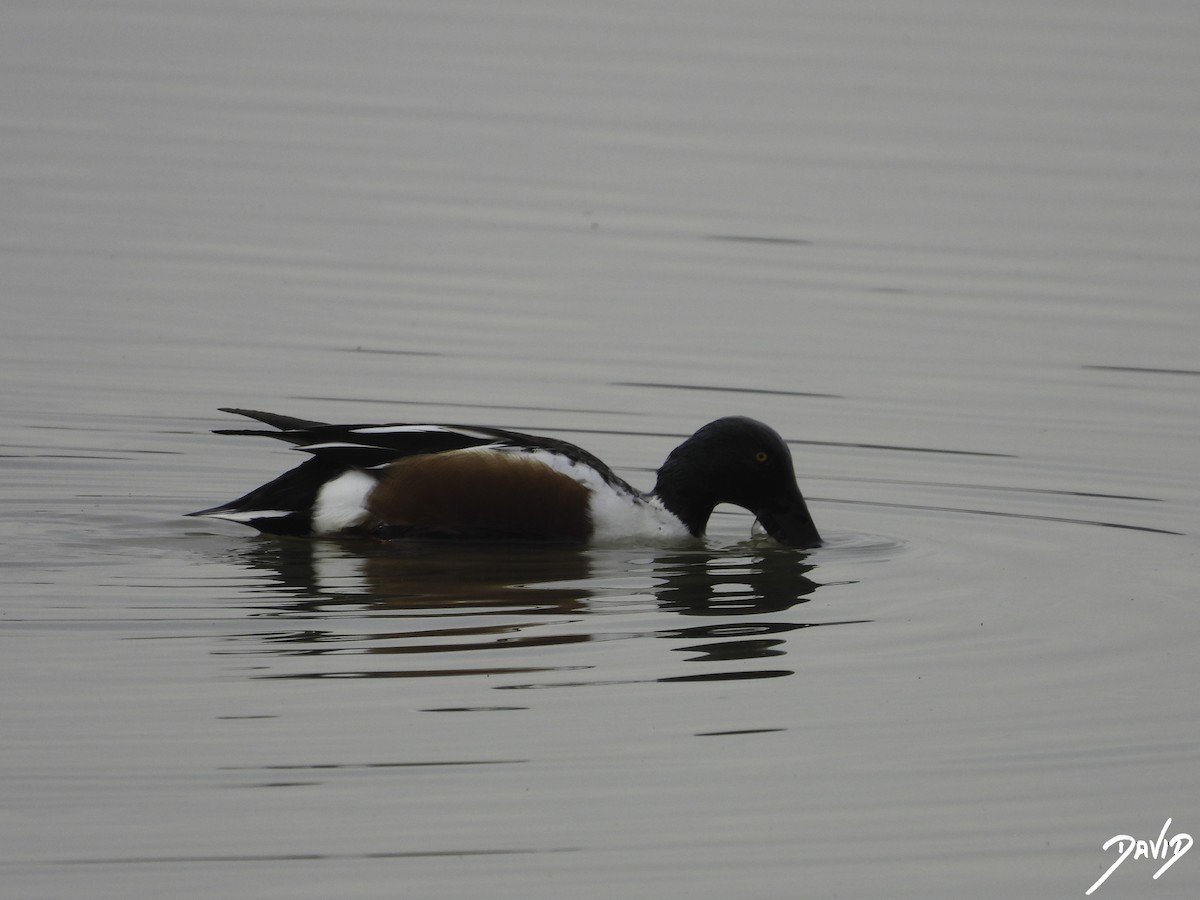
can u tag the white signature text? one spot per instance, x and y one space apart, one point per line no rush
1179 844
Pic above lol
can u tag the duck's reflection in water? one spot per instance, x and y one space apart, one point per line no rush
735 586
505 603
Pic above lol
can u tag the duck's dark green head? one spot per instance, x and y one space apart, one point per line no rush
740 461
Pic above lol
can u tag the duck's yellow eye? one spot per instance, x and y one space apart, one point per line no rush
761 456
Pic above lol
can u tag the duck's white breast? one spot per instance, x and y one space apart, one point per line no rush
617 514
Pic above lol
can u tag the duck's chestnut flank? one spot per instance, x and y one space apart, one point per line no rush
473 493
459 481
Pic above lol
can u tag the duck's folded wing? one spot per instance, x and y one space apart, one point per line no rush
369 446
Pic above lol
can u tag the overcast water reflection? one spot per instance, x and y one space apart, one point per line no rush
475 607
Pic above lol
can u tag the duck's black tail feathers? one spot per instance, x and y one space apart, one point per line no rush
291 429
283 506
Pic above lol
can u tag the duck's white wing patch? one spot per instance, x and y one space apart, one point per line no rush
332 445
342 502
399 429
422 429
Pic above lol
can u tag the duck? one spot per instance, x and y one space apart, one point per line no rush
468 482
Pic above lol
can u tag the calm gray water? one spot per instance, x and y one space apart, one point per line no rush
950 251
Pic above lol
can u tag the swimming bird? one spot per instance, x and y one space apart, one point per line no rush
433 482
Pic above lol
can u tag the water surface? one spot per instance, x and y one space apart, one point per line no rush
947 250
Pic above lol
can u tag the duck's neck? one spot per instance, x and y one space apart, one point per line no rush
691 506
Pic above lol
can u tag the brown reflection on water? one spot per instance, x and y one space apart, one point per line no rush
441 602
322 576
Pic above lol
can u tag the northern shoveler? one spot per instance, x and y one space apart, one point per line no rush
467 481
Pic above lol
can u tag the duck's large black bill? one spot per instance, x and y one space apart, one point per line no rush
788 520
